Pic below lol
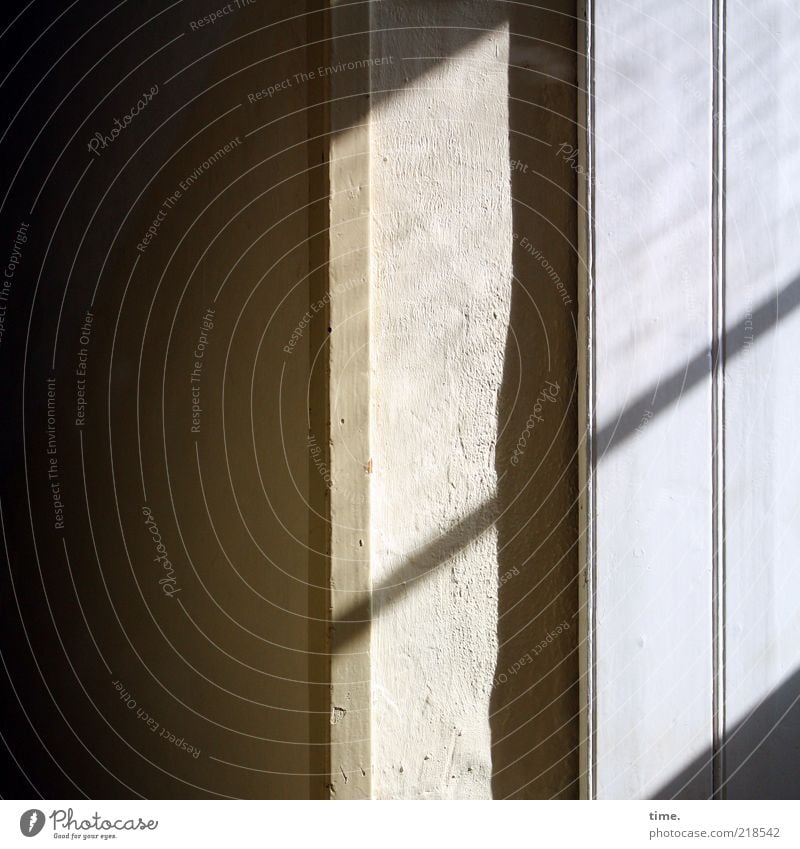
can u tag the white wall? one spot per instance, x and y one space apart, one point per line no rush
761 396
663 410
653 394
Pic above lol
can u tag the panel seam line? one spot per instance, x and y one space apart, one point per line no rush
718 127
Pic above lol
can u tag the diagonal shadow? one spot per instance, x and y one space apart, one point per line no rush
417 568
761 752
442 29
666 392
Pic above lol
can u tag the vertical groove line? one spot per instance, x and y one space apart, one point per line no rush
718 394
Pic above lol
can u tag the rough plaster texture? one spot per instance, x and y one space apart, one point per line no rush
442 252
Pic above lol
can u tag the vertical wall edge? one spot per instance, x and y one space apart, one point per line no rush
585 51
350 463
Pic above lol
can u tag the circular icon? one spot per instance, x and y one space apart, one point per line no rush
31 822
